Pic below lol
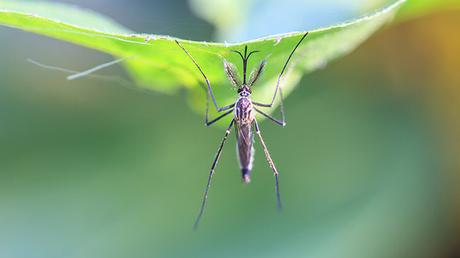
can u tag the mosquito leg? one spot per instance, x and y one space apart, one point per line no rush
270 163
206 120
218 118
205 78
278 88
279 122
208 91
282 72
211 173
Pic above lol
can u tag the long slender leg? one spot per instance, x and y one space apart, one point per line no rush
211 173
282 72
278 88
206 120
271 164
205 78
218 118
279 122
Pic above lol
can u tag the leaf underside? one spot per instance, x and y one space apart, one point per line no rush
156 62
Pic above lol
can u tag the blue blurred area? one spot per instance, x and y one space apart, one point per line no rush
241 20
266 18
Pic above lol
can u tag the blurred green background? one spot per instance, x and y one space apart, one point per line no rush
368 160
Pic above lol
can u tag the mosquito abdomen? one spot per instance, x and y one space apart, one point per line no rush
245 150
244 118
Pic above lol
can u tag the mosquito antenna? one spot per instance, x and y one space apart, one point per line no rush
252 52
239 53
243 57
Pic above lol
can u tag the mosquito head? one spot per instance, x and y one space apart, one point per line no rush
245 58
244 91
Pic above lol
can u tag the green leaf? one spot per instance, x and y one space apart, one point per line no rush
157 63
414 9
261 18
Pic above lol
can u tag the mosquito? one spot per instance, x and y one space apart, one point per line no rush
244 119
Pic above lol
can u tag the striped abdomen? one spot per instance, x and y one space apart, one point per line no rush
244 118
